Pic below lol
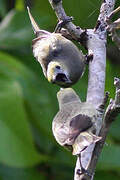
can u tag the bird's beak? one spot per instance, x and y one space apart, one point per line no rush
68 81
61 78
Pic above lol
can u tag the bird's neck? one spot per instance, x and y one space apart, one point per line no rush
67 95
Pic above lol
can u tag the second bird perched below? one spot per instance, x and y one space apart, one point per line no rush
74 124
61 61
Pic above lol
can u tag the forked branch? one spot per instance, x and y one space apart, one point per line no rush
96 45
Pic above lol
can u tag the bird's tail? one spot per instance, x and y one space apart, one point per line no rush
34 24
84 140
38 32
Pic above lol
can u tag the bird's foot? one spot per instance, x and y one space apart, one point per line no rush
62 23
88 58
56 1
83 171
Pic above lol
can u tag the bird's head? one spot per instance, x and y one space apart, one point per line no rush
57 74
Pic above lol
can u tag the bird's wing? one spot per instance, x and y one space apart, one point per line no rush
81 123
40 47
78 124
84 140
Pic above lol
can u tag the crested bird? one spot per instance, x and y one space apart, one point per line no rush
61 61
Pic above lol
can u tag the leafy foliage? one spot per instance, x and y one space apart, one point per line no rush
28 102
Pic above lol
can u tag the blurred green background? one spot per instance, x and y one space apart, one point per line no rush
28 102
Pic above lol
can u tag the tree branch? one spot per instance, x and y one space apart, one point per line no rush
96 81
105 10
111 113
74 31
96 45
115 38
113 26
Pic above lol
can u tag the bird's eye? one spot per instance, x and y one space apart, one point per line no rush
57 67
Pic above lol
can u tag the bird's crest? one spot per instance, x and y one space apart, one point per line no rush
38 32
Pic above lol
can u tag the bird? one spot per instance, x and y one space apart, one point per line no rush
61 61
74 125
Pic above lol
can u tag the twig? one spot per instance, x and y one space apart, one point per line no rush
105 10
102 106
117 84
111 113
97 149
115 38
61 15
96 44
114 12
113 26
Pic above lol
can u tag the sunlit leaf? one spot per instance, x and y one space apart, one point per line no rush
19 5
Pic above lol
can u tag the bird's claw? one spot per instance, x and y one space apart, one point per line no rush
83 171
88 58
62 23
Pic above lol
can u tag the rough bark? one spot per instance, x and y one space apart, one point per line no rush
95 42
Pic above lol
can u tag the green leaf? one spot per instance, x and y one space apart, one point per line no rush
19 5
109 159
36 98
14 30
8 173
107 175
115 130
3 9
39 103
16 144
16 147
84 12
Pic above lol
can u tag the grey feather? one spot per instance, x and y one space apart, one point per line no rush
74 124
53 50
